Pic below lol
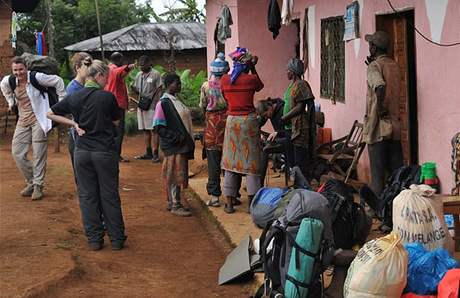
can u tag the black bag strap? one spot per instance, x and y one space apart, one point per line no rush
299 250
36 84
12 83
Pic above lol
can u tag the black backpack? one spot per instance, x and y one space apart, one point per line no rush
53 98
401 179
282 233
350 223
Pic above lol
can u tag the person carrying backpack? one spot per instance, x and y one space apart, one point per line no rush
24 90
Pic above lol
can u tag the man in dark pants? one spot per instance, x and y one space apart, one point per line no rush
272 109
382 131
117 86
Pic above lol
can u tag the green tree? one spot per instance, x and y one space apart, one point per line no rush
189 13
75 21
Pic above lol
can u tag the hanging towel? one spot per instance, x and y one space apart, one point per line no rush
274 18
286 11
223 24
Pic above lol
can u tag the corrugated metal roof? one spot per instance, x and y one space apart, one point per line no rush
149 36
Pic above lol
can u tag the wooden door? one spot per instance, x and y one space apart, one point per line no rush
396 26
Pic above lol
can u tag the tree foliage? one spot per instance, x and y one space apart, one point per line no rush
189 12
75 20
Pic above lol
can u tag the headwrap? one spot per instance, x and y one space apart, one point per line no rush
241 57
296 66
219 66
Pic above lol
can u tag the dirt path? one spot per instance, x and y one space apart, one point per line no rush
43 250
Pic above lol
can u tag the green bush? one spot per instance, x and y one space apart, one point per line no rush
131 123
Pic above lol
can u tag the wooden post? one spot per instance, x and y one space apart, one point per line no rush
51 53
99 28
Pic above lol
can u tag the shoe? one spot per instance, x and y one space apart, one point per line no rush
180 211
213 202
27 191
94 246
121 159
144 157
229 209
236 202
155 158
118 245
38 193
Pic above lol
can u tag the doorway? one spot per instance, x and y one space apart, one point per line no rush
400 29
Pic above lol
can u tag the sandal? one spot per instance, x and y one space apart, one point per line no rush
143 157
229 209
213 203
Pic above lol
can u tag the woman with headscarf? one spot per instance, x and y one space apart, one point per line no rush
215 107
241 149
299 117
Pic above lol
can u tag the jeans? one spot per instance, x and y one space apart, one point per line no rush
214 171
120 128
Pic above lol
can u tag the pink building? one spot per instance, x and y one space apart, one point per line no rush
430 101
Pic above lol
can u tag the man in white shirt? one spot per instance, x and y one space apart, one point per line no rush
33 125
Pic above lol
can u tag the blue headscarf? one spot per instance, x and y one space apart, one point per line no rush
241 58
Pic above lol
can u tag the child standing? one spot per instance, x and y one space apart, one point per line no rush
173 123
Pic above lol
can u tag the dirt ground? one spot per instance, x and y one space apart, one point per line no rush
43 250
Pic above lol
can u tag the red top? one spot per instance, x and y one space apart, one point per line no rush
116 84
240 95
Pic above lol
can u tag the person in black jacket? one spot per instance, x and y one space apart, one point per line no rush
173 123
95 113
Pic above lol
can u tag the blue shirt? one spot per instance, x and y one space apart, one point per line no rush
73 87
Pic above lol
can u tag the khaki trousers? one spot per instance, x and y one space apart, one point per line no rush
32 170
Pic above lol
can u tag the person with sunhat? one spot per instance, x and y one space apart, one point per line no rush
215 107
382 128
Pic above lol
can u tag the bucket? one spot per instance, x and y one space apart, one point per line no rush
428 171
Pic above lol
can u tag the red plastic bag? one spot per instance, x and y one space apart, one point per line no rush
411 295
448 287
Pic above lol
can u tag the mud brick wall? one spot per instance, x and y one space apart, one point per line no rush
6 52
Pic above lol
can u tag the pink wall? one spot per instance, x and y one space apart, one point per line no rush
438 68
250 30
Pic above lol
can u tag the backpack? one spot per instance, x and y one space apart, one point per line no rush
53 98
280 237
350 223
401 179
265 204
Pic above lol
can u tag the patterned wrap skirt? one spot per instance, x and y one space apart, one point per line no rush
215 129
175 171
242 149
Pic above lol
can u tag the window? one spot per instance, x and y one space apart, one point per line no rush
333 59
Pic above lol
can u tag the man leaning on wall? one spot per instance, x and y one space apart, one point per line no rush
382 131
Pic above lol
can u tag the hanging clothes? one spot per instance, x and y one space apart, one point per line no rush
223 24
286 11
274 18
14 29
